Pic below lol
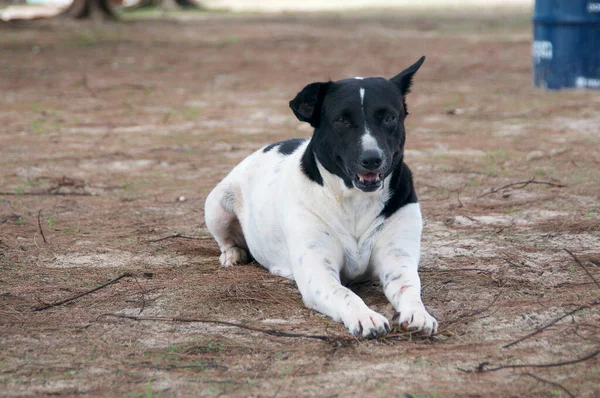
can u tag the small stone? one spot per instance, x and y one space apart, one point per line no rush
533 155
449 220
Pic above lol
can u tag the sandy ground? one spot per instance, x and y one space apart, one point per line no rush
330 5
113 134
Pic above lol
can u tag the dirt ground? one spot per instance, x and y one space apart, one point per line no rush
112 135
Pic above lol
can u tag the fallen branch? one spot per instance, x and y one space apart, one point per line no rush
481 367
270 332
46 194
66 182
471 218
46 306
143 295
540 330
176 236
460 204
550 382
40 226
578 261
523 184
135 86
201 367
513 264
457 270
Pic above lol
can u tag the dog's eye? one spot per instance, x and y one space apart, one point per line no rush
389 119
341 121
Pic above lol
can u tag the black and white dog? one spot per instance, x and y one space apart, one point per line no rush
339 207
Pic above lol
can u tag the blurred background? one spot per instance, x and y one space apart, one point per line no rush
51 7
117 117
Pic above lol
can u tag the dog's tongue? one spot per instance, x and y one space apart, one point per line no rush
369 176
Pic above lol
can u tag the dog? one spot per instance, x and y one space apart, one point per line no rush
335 208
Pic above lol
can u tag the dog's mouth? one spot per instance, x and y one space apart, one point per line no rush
368 182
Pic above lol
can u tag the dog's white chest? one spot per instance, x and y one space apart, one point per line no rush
356 222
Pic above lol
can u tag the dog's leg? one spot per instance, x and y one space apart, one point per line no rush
395 261
317 258
223 224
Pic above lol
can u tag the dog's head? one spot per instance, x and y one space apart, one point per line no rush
359 125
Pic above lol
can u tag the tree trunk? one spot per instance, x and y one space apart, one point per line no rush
95 9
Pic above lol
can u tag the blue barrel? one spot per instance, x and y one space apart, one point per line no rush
566 44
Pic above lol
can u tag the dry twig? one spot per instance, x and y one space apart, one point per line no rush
578 261
178 235
483 271
270 332
46 306
550 382
592 304
523 184
40 226
143 295
481 367
540 330
134 86
46 194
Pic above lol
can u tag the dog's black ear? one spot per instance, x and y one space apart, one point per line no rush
403 80
307 104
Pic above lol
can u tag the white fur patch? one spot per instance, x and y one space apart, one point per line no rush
368 142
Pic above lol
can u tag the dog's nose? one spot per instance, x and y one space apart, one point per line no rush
370 160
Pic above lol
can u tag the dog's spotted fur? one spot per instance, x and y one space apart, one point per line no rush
336 208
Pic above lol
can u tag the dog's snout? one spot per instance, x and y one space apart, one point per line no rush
370 160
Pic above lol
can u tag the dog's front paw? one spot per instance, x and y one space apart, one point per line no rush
233 256
367 324
414 317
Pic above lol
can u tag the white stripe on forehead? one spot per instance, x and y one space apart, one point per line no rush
368 142
359 78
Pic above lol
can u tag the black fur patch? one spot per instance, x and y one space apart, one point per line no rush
286 147
270 146
402 188
342 112
309 165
